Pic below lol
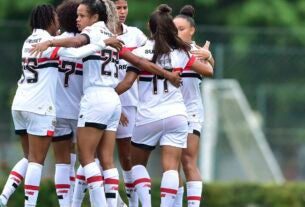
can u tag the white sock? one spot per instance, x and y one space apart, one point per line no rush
79 188
194 190
95 185
142 184
130 189
72 174
169 188
16 176
31 184
62 184
111 184
179 197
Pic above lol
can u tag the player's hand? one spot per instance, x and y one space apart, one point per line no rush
114 42
123 120
38 48
202 53
174 78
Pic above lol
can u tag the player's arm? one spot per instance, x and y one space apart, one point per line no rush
144 64
202 68
129 79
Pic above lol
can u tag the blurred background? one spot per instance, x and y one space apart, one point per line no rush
258 43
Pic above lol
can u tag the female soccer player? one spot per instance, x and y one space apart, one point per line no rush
68 95
33 107
193 102
133 38
161 113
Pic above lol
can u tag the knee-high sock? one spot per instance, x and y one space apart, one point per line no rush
62 184
142 183
193 190
111 183
31 184
130 189
95 185
169 188
15 178
80 188
179 197
72 174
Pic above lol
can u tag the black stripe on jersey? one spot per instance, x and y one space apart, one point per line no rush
191 75
143 146
78 72
62 138
87 37
196 132
95 125
133 69
21 132
92 57
145 79
47 65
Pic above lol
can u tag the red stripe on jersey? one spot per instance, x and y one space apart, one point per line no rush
142 180
54 53
17 175
79 66
190 63
130 48
50 133
81 177
123 50
129 185
31 187
194 198
94 179
111 181
61 186
72 179
168 190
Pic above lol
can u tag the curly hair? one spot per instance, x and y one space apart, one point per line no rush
67 14
42 17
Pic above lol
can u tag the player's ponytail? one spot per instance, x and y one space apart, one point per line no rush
164 32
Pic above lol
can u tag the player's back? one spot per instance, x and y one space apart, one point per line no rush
158 98
37 85
69 85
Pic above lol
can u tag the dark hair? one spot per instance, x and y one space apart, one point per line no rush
117 0
164 32
96 7
67 14
42 17
188 12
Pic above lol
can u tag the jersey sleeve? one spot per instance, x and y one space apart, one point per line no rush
141 38
93 35
78 53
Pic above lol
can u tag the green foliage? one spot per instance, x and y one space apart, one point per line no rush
215 195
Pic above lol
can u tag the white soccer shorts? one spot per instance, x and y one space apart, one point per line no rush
35 124
195 128
171 131
100 109
65 129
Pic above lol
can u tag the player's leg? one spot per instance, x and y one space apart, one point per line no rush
190 168
172 142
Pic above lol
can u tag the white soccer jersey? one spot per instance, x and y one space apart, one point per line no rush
69 85
101 67
37 86
191 93
133 38
158 98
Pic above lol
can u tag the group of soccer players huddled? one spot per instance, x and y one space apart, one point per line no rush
96 84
